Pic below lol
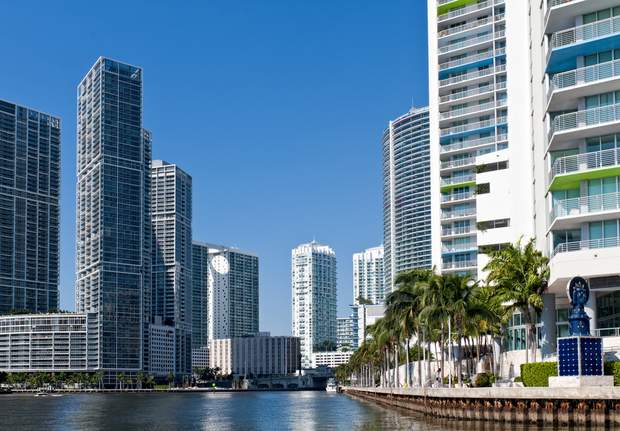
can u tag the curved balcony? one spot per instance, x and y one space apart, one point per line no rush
568 171
570 213
566 45
566 87
583 124
566 247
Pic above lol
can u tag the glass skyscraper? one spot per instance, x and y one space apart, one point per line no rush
171 214
29 193
113 216
200 265
406 195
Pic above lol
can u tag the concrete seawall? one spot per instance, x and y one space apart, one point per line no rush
544 406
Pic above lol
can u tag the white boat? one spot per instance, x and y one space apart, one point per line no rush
331 386
42 394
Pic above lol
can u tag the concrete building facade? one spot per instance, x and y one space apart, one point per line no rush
368 276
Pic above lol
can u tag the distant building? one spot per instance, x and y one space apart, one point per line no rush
45 342
331 359
200 357
163 348
260 355
171 217
313 273
406 195
346 337
29 184
364 316
200 314
368 276
232 292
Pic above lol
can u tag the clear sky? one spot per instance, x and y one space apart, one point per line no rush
275 107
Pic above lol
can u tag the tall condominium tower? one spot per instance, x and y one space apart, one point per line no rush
313 270
200 316
406 195
171 216
368 277
113 216
29 193
232 292
481 158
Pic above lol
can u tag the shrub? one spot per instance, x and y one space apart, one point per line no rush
538 373
613 369
484 380
518 379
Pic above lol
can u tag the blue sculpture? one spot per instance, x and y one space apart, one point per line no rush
578 293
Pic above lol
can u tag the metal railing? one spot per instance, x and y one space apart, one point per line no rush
473 143
459 264
586 205
585 118
606 332
471 58
467 26
585 32
457 231
473 92
553 3
464 212
586 245
458 180
584 75
472 126
457 163
471 109
458 247
465 10
472 75
585 161
471 42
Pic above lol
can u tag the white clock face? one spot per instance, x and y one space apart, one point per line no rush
220 264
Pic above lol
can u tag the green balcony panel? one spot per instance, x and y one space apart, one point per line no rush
572 180
445 8
449 187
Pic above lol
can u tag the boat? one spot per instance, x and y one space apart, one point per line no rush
331 386
42 394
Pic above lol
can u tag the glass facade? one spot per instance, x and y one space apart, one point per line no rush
29 193
113 214
200 264
406 195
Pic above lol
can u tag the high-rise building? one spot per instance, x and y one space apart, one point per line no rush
368 276
313 273
113 217
346 333
171 217
481 141
29 193
200 315
406 195
232 292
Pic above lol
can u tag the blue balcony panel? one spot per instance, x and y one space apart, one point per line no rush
564 58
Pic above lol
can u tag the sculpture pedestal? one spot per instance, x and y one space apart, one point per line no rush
580 363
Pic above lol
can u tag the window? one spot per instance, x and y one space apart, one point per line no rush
493 224
489 167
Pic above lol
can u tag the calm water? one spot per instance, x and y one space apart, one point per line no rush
223 411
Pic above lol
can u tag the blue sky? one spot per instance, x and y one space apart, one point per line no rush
276 108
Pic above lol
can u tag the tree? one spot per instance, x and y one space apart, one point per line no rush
170 378
140 378
519 275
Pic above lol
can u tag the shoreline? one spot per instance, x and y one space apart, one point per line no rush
153 391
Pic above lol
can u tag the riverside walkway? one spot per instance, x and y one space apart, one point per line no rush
598 406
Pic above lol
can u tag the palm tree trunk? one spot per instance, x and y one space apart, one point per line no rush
407 370
460 360
419 352
428 359
442 349
396 365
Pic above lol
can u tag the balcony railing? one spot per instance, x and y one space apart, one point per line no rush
584 75
471 42
459 264
586 245
473 92
471 109
585 32
464 212
466 26
585 118
553 3
455 248
471 143
471 126
465 10
585 161
471 58
457 196
472 75
457 231
458 163
458 180
586 205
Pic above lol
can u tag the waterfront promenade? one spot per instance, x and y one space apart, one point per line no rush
549 406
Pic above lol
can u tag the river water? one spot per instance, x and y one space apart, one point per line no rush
214 411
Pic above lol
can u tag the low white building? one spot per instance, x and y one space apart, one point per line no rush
260 355
330 359
366 315
200 357
44 343
162 349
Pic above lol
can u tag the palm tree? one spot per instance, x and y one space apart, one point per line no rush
140 379
519 274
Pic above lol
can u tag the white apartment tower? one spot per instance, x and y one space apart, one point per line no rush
368 276
313 274
171 217
480 117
